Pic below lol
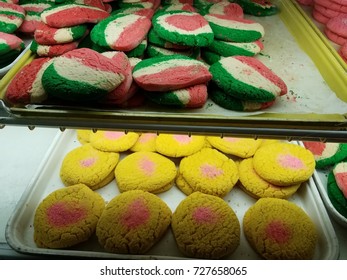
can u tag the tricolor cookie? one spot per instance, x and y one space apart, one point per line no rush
26 86
209 57
178 7
336 196
52 50
139 51
72 14
165 73
81 74
154 39
136 9
183 27
11 17
93 3
192 97
223 8
225 48
121 32
46 35
258 7
153 51
247 78
10 42
327 154
235 29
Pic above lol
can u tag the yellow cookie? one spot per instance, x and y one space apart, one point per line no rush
146 142
67 216
83 135
284 164
279 229
113 141
133 222
147 171
176 145
241 147
205 226
88 166
257 187
207 171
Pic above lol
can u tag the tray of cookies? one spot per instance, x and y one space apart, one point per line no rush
262 94
170 196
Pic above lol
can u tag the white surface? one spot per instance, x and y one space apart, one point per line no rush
47 179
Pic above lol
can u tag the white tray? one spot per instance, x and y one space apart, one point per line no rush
19 229
321 178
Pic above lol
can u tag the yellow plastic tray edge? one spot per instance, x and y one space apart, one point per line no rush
311 40
24 60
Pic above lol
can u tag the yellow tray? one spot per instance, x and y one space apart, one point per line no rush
317 124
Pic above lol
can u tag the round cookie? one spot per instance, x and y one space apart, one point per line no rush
329 13
223 8
67 217
178 7
11 17
258 8
318 16
121 32
192 97
52 50
83 135
247 78
205 226
166 73
279 229
257 187
235 29
139 51
46 35
113 141
153 51
332 5
133 222
340 174
183 27
154 39
207 171
73 77
336 196
145 143
89 166
147 171
327 154
10 42
334 37
284 164
26 86
66 15
136 9
224 48
338 26
240 147
177 145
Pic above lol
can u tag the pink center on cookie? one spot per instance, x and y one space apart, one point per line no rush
204 215
210 171
278 232
231 139
288 161
113 135
87 162
147 137
184 139
147 166
186 22
136 214
63 214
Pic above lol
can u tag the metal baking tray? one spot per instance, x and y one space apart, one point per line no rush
315 107
19 229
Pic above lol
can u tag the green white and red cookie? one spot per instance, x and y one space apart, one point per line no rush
120 93
153 51
235 29
67 15
178 7
150 4
258 7
201 4
10 42
335 194
11 17
33 16
223 8
81 75
167 73
230 102
326 154
10 1
46 35
340 173
26 86
183 27
191 97
136 9
52 50
247 78
93 3
139 51
210 57
225 48
121 32
154 39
